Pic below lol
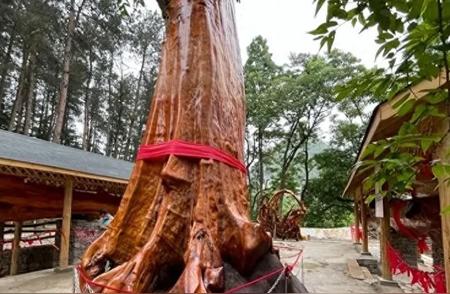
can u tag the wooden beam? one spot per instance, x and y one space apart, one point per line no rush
15 252
385 239
2 236
365 228
67 216
21 201
444 199
58 170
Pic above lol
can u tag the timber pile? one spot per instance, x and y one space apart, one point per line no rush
183 223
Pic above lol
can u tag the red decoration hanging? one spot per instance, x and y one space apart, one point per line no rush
397 208
426 280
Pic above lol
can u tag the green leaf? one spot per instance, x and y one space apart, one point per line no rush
370 149
415 9
437 97
400 101
405 108
446 210
425 144
441 170
370 198
419 113
323 28
319 6
330 40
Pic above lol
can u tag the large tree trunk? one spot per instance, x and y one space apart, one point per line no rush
181 219
30 95
18 102
62 102
87 108
64 86
4 74
109 129
134 115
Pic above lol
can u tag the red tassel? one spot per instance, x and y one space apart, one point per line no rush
423 246
439 281
426 280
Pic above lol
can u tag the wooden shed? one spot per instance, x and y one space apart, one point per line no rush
385 123
40 179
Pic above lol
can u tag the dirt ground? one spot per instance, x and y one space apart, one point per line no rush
323 270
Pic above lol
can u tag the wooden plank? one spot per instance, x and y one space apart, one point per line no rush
385 240
67 215
444 198
15 253
15 204
354 270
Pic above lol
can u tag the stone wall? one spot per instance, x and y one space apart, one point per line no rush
437 252
30 259
35 258
324 233
406 247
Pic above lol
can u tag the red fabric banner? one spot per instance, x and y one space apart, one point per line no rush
396 215
191 150
426 280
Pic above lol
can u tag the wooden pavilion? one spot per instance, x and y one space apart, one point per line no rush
40 179
385 123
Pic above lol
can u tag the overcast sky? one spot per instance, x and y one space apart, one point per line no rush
285 25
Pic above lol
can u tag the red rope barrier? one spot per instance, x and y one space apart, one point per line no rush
267 276
90 282
287 270
285 247
187 149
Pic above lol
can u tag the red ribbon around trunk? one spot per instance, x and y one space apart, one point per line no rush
187 149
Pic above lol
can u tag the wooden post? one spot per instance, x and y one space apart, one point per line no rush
67 215
385 240
2 236
365 228
15 252
444 199
356 215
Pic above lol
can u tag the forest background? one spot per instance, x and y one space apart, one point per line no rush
82 73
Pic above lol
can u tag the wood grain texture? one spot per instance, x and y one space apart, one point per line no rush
67 216
180 220
20 201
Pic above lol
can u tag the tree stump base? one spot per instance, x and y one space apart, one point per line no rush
269 263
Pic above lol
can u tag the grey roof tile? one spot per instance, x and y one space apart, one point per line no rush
28 149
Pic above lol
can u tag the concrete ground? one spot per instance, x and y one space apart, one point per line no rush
325 265
323 270
46 281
